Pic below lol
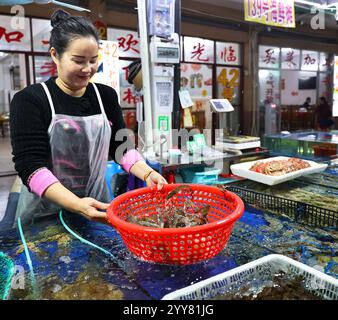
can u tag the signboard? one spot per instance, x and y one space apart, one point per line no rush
101 28
268 57
228 84
41 34
290 58
14 38
127 92
228 53
309 60
108 65
325 61
129 42
269 86
198 50
44 68
277 13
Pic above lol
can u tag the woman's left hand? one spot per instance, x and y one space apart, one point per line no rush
155 179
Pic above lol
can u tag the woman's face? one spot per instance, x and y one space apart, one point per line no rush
78 63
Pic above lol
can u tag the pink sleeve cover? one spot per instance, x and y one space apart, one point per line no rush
41 180
129 159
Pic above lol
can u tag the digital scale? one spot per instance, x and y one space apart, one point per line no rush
238 142
226 141
164 52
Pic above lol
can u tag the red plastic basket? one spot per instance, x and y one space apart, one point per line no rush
176 245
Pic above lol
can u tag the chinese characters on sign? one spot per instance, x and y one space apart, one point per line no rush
14 39
290 58
269 86
325 85
309 60
268 57
198 50
228 84
228 53
44 68
41 33
108 65
325 62
49 68
14 36
127 94
129 42
278 13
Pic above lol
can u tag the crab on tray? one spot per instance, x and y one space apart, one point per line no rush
276 170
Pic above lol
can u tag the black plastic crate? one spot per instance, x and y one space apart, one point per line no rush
297 211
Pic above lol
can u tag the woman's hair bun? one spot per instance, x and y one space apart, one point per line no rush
59 16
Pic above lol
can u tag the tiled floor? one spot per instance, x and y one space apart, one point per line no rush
7 173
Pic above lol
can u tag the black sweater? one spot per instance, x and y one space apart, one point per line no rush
30 116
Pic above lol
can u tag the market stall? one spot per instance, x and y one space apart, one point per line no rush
66 268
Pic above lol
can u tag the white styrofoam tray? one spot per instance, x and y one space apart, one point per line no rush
258 271
243 170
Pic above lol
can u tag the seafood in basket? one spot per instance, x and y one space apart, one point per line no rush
207 213
171 216
279 167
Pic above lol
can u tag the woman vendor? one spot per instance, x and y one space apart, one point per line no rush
62 130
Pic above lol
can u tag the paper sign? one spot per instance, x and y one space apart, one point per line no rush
187 120
185 99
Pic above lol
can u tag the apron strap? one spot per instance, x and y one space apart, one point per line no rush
49 99
99 99
44 86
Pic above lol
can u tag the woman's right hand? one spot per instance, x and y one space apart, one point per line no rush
89 208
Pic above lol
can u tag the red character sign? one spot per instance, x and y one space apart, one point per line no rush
270 85
128 43
14 36
288 13
50 69
129 97
289 58
309 60
269 56
328 63
198 51
228 55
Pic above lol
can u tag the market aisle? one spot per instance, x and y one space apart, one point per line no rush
5 187
7 173
6 163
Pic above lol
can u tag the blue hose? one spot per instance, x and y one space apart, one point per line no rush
86 241
29 260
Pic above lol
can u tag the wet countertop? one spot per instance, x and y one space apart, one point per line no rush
66 268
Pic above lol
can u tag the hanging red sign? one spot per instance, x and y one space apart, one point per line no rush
101 28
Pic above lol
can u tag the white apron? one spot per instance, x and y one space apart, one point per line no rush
79 155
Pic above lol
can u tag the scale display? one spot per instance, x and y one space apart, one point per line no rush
167 53
164 52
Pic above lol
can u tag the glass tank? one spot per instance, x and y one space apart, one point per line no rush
305 144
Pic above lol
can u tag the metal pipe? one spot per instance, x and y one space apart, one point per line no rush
176 116
142 20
